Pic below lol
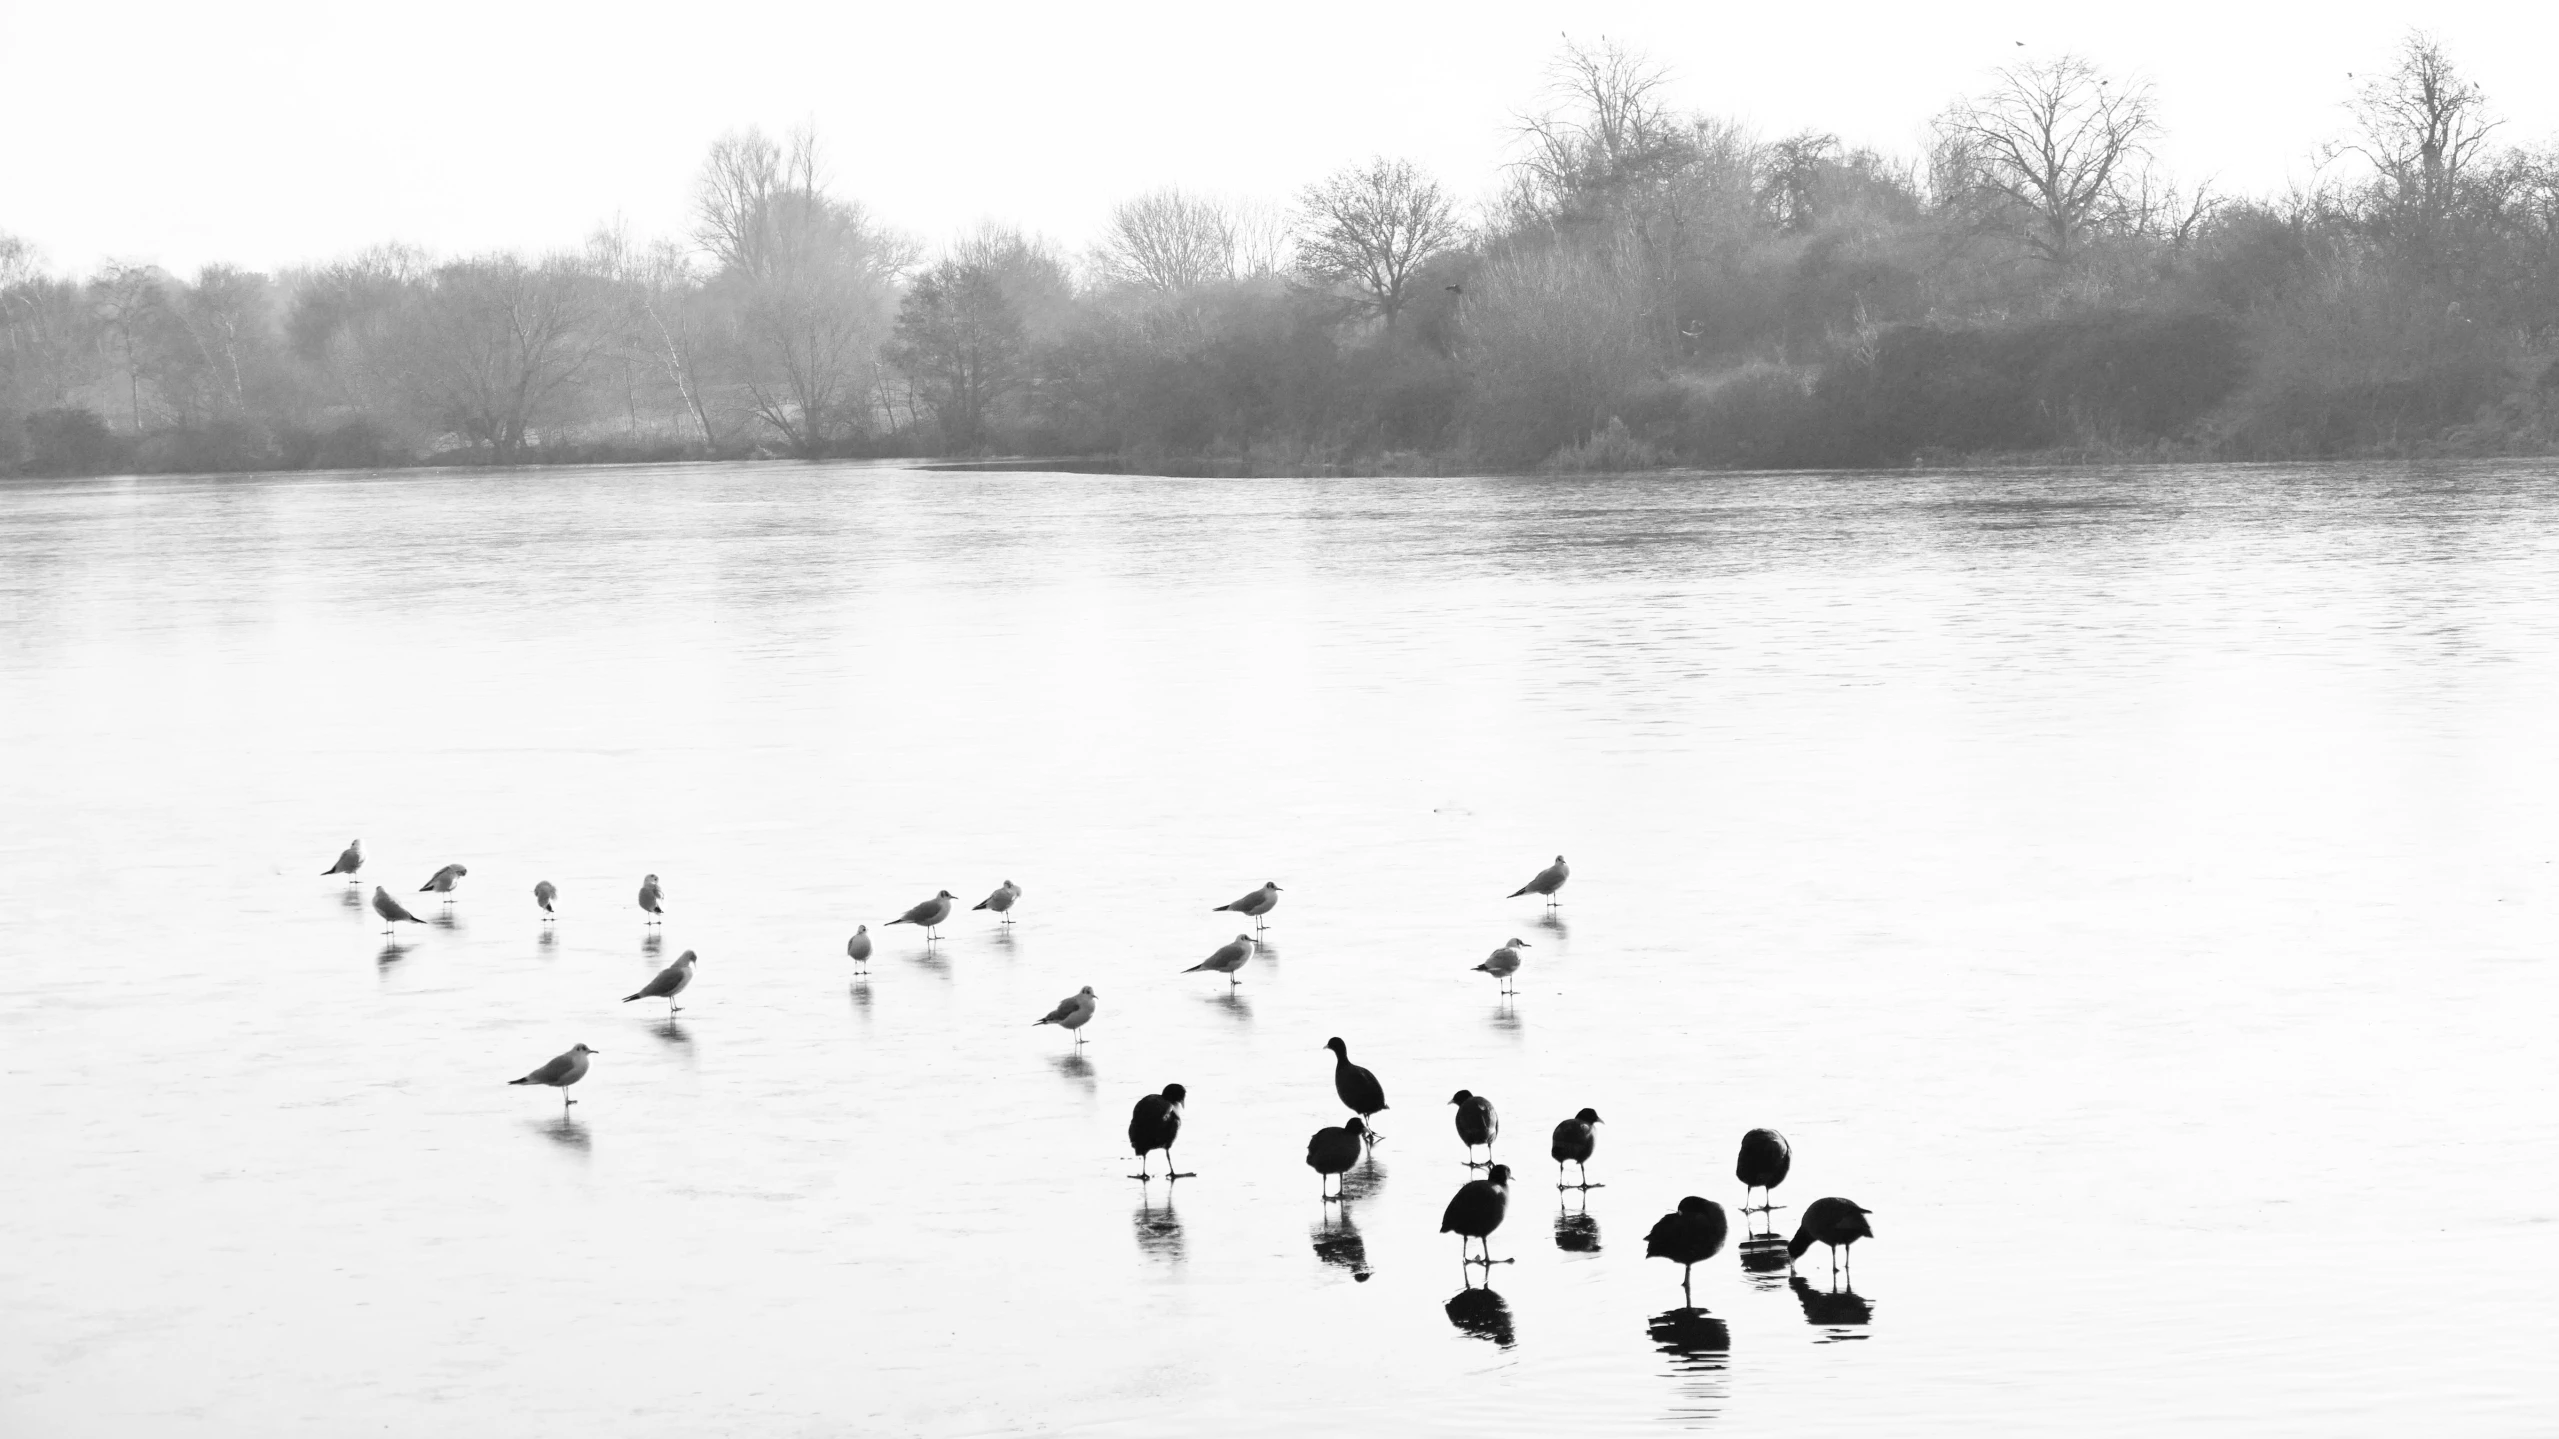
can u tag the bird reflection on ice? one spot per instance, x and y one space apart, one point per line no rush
566 1133
652 942
860 993
1483 1314
1838 1310
1576 1230
1232 1001
549 939
348 898
674 1033
1338 1242
1553 924
1159 1229
1699 1345
392 954
1076 1067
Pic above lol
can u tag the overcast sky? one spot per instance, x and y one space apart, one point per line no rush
267 132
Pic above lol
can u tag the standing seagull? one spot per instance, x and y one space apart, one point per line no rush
1359 1090
928 914
1575 1141
390 909
1001 901
544 891
1834 1222
1476 1123
1154 1124
444 880
563 1071
350 860
1477 1210
669 983
1762 1165
1229 958
1333 1151
859 946
1549 880
1688 1237
1072 1013
1502 963
649 893
1260 902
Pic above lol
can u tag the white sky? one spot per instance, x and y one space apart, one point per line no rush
271 131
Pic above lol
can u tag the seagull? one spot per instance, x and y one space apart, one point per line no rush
444 879
561 1072
1260 902
1574 1141
1502 963
1549 880
1834 1222
859 946
669 983
1154 1124
350 860
1002 900
1687 1237
928 914
1762 1165
1072 1013
1476 1211
390 909
1229 958
1476 1123
1333 1151
544 892
1359 1090
649 897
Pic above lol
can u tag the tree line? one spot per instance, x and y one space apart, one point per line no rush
1650 287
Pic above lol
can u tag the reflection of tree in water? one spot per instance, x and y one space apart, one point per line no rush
1159 1229
1482 1313
1833 1309
1338 1242
1699 1346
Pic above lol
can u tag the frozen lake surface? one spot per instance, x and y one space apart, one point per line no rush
2134 887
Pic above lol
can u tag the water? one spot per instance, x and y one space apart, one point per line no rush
2135 888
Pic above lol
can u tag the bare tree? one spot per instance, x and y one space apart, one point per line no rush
1607 122
2048 151
2423 124
1371 227
494 347
1168 241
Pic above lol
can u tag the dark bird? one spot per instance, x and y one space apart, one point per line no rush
1688 1237
1228 958
669 983
1549 880
350 860
1333 1151
1001 901
543 893
1476 1123
1764 1160
390 909
444 879
1476 1211
1359 1090
649 894
1260 902
929 914
563 1071
1154 1124
1834 1222
1574 1141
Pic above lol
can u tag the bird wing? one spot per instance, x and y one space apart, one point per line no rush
551 1073
668 980
1064 1008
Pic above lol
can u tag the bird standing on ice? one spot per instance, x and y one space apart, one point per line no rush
1002 900
1834 1222
1502 963
859 946
1154 1124
1687 1237
1476 1211
563 1071
443 880
1229 958
649 896
349 861
1574 1140
544 891
1549 880
1072 1013
929 914
1260 902
1358 1089
670 982
391 909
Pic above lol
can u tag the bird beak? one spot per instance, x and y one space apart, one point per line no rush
1524 944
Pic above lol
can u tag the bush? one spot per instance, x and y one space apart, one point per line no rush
71 441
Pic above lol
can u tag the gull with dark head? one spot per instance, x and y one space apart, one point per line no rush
1260 902
563 1071
1072 1013
1549 880
670 982
1502 963
929 914
1228 958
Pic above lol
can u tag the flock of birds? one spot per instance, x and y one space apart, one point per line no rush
1689 1235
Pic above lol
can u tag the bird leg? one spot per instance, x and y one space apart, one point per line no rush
1144 1170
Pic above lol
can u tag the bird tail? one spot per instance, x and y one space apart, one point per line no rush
1221 909
1194 969
643 994
981 904
526 1080
1523 889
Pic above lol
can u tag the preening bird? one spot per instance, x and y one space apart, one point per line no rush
1834 1222
1549 880
391 909
561 1072
1256 904
859 946
649 894
929 914
1765 1158
1691 1235
1333 1151
444 879
350 860
1476 1211
1072 1013
543 893
1154 1124
1574 1140
1228 958
670 982
1476 1123
1359 1090
1002 900
1502 963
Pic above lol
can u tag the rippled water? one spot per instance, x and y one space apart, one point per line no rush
2134 887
